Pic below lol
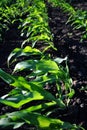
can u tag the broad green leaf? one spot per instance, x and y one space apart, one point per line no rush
47 66
16 81
27 51
43 122
42 65
36 92
46 94
25 65
20 99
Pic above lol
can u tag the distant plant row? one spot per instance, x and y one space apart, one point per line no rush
14 11
77 17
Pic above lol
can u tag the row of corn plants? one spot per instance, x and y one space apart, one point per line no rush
11 12
23 13
34 73
77 17
7 14
35 26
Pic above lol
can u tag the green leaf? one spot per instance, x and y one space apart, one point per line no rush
7 123
46 94
60 60
41 107
34 91
43 79
20 99
16 81
43 122
27 51
25 65
6 77
47 66
71 93
42 65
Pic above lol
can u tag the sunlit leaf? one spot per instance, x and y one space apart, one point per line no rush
41 106
26 65
27 51
36 92
42 65
47 66
60 60
18 100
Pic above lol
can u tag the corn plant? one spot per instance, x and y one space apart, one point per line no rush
43 61
42 72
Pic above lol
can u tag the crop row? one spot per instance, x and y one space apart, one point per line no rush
35 73
77 17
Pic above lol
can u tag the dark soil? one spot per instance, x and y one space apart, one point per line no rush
67 41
